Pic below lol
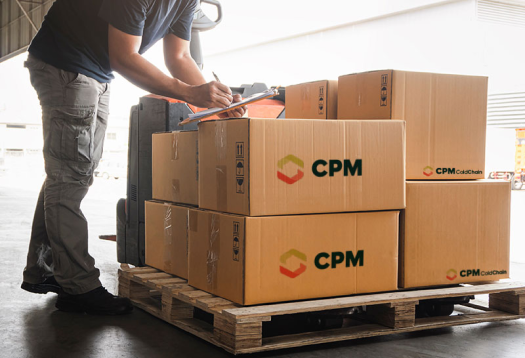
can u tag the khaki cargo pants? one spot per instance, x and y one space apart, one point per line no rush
74 120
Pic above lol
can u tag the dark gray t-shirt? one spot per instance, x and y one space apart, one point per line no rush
74 34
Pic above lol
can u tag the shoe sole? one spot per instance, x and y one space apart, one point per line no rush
74 307
40 289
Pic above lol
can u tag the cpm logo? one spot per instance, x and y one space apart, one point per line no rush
452 274
428 171
297 161
284 259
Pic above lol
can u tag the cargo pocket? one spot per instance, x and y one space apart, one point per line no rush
72 134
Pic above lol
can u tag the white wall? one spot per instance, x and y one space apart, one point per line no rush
446 38
249 22
21 138
500 149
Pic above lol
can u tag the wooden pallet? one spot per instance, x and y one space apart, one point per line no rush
239 329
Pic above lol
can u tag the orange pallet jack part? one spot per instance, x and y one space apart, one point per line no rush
267 108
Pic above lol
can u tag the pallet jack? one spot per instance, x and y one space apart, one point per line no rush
156 114
160 114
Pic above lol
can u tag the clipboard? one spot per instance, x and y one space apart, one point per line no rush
272 92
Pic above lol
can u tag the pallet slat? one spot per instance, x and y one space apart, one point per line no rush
380 298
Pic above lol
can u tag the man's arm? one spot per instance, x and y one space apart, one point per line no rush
181 65
125 59
179 62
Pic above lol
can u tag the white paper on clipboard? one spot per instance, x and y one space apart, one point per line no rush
212 111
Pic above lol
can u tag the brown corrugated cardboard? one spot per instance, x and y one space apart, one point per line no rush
312 100
167 237
174 167
455 232
446 117
276 167
254 260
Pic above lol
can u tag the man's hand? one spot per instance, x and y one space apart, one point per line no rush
210 95
180 64
237 112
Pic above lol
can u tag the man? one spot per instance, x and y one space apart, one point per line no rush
70 61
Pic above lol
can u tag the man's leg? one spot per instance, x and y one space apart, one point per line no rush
39 259
73 140
69 104
69 166
38 273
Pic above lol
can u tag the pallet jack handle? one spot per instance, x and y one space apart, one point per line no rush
201 22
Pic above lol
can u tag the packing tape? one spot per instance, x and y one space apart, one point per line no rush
197 161
175 190
193 219
432 121
168 237
213 251
222 190
188 212
305 98
175 146
221 139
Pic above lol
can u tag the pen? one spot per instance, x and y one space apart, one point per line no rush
216 77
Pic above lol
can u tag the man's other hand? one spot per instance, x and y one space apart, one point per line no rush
237 112
210 95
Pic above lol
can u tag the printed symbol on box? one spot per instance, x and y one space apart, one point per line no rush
452 274
240 185
239 167
239 149
321 100
284 258
428 171
236 248
297 161
235 227
384 95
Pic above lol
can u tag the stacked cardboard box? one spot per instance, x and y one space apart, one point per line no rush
451 231
251 242
167 234
175 192
446 118
313 100
455 232
175 172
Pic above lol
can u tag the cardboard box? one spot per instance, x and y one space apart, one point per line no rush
455 232
254 260
175 167
446 117
167 237
312 100
277 167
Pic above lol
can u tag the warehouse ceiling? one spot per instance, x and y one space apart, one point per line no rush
19 22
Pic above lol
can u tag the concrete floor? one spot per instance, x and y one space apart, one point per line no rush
30 326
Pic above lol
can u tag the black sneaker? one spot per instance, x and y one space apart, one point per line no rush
48 285
97 302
